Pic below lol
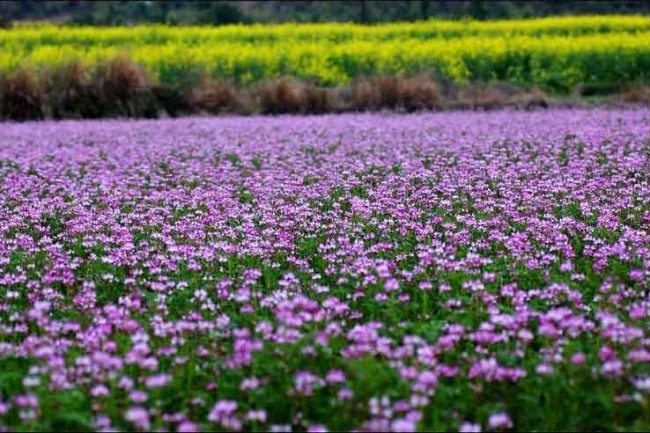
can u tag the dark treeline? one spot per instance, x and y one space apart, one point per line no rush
224 12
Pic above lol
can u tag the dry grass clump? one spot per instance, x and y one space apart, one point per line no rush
419 93
478 97
636 94
212 96
21 96
71 93
173 101
280 96
286 95
117 88
123 89
391 93
531 99
365 95
497 95
317 100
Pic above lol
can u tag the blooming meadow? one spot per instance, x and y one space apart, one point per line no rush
458 271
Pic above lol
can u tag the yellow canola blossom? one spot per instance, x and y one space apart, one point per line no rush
556 52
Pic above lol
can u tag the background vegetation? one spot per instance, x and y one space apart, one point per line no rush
224 12
80 70
556 53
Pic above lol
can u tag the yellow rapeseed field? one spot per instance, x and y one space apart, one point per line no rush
556 52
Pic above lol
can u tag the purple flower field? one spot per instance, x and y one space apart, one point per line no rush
457 271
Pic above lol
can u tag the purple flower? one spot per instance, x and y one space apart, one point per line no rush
468 427
500 420
403 425
157 381
187 427
138 416
578 358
